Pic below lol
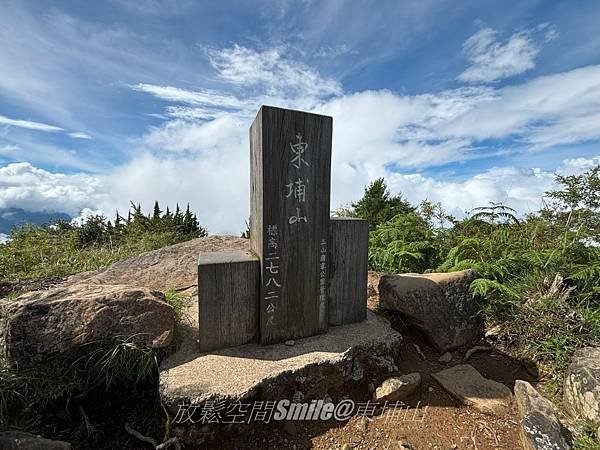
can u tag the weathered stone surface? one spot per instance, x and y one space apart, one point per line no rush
313 366
228 299
18 440
45 323
582 384
291 228
172 267
439 304
446 357
397 388
467 385
348 268
540 429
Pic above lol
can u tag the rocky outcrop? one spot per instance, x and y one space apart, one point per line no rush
540 429
61 320
116 301
439 304
313 366
468 386
172 267
582 384
323 367
397 388
18 440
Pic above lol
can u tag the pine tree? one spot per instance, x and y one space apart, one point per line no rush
178 217
156 213
188 221
378 206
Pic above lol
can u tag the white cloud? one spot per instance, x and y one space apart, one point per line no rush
27 187
28 124
217 188
519 188
271 71
376 133
202 97
79 135
85 214
334 51
38 126
522 189
548 110
492 60
9 149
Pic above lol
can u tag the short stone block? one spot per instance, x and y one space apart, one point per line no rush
228 298
348 266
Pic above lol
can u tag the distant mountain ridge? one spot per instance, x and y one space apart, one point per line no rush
10 217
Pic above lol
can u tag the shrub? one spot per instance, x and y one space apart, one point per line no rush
36 251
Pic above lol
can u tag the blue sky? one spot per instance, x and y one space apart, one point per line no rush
458 102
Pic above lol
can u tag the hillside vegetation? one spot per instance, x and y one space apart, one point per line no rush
64 248
541 271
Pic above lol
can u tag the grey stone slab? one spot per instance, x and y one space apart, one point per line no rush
582 384
228 292
540 428
348 269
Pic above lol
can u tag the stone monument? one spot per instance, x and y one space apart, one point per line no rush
306 270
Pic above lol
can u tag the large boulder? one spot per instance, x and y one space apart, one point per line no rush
540 428
172 267
40 324
471 388
439 304
18 440
582 384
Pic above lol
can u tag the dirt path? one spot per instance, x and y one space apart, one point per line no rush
433 419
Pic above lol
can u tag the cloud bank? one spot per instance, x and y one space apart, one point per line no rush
199 150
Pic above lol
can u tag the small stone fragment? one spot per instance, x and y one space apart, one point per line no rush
477 348
446 357
358 372
362 424
290 342
493 331
290 428
298 397
397 388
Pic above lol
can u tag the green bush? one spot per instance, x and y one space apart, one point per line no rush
37 251
541 272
